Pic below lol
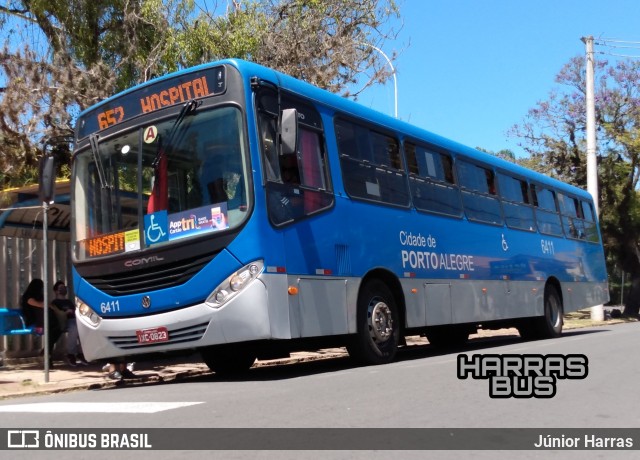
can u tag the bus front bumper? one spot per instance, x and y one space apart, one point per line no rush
243 318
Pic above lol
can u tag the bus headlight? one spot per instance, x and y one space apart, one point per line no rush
230 287
86 311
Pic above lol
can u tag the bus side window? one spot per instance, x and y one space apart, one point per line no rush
357 172
312 172
590 228
268 133
571 216
389 174
546 211
479 193
371 164
518 212
432 181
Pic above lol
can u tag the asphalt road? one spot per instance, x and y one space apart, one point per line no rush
420 390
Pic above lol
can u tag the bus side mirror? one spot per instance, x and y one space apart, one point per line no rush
47 178
289 131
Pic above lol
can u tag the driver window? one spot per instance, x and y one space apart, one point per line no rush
296 183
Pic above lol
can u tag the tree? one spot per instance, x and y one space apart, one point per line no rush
327 43
505 154
553 134
91 49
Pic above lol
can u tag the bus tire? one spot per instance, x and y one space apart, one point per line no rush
228 359
378 335
550 324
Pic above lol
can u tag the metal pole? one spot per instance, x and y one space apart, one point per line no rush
45 226
592 164
393 72
597 312
622 290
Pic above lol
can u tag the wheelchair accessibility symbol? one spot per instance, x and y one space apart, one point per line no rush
155 228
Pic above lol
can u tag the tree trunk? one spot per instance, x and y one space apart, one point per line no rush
632 306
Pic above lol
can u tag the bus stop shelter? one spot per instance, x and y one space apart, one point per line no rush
22 249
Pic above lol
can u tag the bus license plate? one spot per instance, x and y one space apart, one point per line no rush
153 335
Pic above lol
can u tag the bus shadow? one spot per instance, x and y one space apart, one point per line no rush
416 350
411 352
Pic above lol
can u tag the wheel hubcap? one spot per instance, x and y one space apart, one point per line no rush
380 320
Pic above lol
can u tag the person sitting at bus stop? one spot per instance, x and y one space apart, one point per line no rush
32 304
63 304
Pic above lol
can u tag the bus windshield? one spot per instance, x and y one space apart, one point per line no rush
182 177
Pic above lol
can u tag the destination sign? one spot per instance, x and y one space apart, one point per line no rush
104 245
165 93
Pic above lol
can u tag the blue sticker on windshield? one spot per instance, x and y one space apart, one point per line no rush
156 228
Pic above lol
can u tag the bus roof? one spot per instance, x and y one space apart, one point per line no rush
349 107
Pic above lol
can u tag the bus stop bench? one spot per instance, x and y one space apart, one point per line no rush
12 323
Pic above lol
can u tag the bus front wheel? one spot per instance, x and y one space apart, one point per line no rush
376 341
228 359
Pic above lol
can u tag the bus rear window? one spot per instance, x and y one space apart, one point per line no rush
590 227
577 218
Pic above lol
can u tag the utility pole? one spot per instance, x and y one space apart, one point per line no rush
597 312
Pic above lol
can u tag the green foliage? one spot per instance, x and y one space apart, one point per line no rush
61 56
505 154
237 34
553 133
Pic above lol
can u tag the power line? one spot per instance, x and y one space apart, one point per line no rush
613 44
630 56
618 46
614 40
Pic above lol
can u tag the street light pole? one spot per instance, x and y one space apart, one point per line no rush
393 72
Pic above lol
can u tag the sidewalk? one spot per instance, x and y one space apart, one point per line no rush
25 376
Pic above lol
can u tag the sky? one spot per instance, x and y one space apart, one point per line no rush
471 69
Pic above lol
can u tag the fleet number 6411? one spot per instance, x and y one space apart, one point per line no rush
547 247
108 307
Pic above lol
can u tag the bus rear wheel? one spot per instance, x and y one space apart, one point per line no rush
376 341
228 359
550 324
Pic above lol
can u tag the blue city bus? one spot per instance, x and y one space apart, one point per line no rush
236 211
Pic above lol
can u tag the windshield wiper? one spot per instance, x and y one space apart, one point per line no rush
164 146
93 141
